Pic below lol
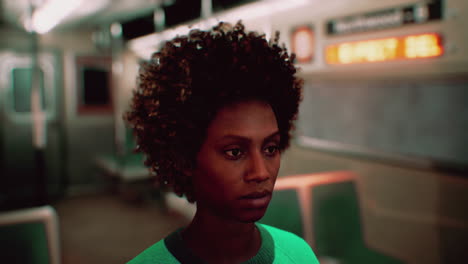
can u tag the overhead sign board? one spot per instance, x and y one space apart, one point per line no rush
389 18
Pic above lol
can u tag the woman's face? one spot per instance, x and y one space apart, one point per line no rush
238 163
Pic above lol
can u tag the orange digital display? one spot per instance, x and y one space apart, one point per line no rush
387 49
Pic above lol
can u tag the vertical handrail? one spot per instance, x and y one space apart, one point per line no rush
38 116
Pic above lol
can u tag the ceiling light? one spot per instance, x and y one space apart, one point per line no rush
48 15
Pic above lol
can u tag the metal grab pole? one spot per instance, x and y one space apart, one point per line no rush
39 134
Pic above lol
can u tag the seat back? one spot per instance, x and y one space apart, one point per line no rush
284 212
337 225
29 236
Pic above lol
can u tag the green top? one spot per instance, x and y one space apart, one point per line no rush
278 246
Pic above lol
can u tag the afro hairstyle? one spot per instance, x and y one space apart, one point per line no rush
181 88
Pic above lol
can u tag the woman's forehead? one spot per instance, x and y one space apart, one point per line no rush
248 119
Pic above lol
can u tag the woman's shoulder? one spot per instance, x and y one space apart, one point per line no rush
157 253
290 247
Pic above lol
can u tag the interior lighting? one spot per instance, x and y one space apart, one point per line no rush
48 15
245 13
303 44
387 49
116 30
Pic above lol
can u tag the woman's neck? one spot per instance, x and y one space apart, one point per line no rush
218 240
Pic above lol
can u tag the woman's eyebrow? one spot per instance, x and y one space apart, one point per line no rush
247 139
274 134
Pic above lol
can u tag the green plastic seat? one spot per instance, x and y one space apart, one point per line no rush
29 236
284 212
24 243
337 226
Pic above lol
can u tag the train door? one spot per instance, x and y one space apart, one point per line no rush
28 178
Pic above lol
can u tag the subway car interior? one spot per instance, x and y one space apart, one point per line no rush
377 170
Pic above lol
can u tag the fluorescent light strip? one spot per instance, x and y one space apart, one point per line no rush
51 13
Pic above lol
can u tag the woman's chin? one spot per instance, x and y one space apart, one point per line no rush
251 215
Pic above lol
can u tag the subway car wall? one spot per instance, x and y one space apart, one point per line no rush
78 122
385 98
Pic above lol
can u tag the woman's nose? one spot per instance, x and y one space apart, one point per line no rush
257 168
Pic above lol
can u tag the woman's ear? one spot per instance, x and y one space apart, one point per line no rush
188 172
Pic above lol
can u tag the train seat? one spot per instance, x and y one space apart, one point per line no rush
126 171
30 236
323 209
125 168
284 212
337 226
125 165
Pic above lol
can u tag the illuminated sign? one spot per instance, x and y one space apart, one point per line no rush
303 44
414 14
387 49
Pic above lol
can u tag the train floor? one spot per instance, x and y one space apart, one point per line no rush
106 229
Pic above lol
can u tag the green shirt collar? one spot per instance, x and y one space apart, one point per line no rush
175 244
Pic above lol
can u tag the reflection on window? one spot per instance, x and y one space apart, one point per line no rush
22 82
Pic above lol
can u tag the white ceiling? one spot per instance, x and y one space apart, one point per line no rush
91 13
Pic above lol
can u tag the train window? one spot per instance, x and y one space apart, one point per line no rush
95 90
393 119
220 5
181 11
94 85
21 84
138 27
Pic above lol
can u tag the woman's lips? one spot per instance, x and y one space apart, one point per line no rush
257 199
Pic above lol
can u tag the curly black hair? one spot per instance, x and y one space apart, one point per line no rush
181 88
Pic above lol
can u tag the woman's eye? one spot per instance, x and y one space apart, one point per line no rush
233 153
271 150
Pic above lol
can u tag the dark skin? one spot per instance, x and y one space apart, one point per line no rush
237 167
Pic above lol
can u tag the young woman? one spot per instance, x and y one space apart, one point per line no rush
213 112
